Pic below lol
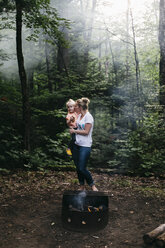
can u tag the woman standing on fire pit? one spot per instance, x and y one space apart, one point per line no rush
83 143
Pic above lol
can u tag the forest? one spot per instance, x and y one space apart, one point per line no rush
112 52
52 51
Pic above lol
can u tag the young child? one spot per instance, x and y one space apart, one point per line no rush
71 122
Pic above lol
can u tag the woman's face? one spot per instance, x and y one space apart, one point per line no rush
77 109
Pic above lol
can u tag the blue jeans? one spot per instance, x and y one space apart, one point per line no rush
81 155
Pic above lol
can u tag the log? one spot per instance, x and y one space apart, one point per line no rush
151 236
160 240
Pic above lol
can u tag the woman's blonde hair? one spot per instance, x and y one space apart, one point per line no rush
83 102
70 102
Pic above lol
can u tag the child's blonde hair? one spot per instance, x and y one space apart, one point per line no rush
70 102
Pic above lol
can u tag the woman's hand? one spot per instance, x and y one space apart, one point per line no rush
71 130
83 131
72 119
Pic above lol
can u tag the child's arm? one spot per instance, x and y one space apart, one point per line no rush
69 120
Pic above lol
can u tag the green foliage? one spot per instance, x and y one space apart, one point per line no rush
10 148
143 152
51 155
7 4
123 139
44 19
103 149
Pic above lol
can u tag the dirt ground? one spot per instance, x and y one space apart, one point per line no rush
31 202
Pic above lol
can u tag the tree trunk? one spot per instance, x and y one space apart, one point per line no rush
100 53
150 237
88 36
23 78
160 240
127 40
138 78
62 59
106 60
50 87
136 57
114 64
162 54
30 76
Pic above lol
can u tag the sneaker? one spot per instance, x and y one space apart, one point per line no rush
68 151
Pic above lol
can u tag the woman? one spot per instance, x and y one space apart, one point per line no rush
83 143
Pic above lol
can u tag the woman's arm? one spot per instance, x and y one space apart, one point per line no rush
84 131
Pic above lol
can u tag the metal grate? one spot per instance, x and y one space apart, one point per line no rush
84 211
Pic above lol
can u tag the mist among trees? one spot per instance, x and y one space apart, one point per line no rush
51 51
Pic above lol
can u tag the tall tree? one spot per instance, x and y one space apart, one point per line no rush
39 17
162 53
127 40
23 77
50 86
63 58
88 30
136 57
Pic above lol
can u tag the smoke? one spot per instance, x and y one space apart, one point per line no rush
79 200
32 51
7 45
83 20
9 68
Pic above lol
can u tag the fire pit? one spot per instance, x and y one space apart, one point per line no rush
84 211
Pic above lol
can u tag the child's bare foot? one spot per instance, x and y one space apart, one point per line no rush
68 151
94 188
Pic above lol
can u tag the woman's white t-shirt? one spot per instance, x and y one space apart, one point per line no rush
84 140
